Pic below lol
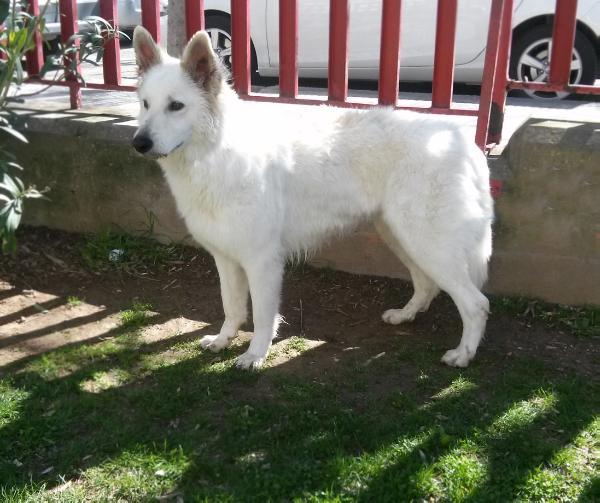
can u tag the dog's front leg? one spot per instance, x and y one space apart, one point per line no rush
265 278
234 293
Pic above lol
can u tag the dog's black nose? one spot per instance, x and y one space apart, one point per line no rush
142 143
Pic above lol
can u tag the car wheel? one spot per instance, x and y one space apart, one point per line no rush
530 60
218 27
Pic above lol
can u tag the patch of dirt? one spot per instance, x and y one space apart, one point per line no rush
339 313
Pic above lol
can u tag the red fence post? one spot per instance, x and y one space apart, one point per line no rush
501 81
489 74
288 48
111 60
240 46
35 57
389 55
443 66
68 27
151 18
563 37
194 17
339 17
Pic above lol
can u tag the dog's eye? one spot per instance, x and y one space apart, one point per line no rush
145 103
175 105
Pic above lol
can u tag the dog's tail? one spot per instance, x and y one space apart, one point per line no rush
479 258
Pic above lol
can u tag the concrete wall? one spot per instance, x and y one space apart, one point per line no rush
547 234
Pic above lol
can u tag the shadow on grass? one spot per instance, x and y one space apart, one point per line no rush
307 428
591 491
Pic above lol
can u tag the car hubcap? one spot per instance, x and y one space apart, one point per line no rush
221 44
534 66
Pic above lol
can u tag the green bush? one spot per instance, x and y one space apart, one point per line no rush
17 38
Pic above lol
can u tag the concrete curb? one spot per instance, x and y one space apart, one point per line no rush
547 235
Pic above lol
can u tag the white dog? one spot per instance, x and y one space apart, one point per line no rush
258 183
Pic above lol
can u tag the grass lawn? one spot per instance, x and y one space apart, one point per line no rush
368 415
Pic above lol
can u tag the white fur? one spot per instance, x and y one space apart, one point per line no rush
258 183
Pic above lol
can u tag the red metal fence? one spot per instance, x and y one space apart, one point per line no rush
495 83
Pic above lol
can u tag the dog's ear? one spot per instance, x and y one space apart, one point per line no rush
201 63
147 53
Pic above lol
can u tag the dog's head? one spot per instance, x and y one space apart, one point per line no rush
177 98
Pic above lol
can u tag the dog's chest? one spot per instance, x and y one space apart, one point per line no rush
205 218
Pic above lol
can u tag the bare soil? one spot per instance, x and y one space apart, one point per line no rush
338 313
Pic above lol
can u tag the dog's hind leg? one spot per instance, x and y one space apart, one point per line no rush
425 290
440 252
265 276
234 294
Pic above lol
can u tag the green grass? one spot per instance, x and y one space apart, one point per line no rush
138 316
133 251
581 321
73 301
117 420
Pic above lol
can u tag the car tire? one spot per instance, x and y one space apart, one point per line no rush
221 23
531 44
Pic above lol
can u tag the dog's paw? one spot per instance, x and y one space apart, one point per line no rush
214 343
459 357
397 316
250 361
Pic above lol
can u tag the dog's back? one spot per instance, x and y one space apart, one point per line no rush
328 169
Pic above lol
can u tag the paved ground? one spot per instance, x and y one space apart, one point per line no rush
519 109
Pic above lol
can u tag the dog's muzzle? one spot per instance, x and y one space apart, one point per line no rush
142 143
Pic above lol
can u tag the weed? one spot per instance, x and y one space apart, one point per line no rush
296 344
578 320
137 316
122 251
73 301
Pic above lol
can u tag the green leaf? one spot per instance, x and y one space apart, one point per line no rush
10 130
13 218
19 183
52 63
33 194
15 165
8 184
18 78
22 39
99 21
10 216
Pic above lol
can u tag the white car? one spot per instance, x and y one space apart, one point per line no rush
532 30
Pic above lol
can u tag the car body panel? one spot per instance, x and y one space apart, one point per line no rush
417 32
590 16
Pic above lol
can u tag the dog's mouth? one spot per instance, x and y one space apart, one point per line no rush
159 155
